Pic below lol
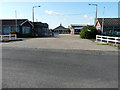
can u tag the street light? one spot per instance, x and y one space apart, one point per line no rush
103 21
16 19
33 17
96 11
33 11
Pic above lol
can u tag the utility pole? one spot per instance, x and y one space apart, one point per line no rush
16 19
103 21
33 12
33 16
96 12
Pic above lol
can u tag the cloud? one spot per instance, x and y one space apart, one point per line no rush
91 18
88 23
0 16
65 19
85 16
20 15
52 13
88 17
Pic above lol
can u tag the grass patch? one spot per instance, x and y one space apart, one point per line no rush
5 41
110 44
93 40
103 44
118 46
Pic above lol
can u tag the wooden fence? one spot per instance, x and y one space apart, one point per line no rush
108 39
8 37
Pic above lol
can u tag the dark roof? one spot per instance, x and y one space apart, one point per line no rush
60 28
40 24
12 21
109 21
78 25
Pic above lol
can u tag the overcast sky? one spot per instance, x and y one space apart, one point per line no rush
55 13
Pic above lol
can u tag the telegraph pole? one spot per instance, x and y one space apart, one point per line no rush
33 16
16 19
103 21
33 11
96 11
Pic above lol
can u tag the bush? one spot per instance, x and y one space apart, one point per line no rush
88 32
14 32
118 46
85 34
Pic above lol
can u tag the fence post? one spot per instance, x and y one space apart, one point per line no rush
9 37
115 41
15 36
96 37
107 40
101 38
1 37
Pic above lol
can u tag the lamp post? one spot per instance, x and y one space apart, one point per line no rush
33 11
33 17
103 21
16 19
96 11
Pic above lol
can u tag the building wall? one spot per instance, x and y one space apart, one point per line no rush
41 29
62 31
112 30
98 27
25 25
76 29
109 30
0 27
6 29
72 31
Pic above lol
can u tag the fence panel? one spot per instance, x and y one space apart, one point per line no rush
8 37
108 39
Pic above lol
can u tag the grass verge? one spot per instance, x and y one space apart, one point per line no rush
5 41
110 44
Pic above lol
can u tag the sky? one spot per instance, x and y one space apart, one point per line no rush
56 13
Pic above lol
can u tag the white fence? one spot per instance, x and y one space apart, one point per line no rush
108 39
8 37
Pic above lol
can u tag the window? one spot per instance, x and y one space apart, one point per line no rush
6 29
14 28
25 30
0 30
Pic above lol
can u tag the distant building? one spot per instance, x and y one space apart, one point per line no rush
22 26
61 30
111 26
41 29
76 28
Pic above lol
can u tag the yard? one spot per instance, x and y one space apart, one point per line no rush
60 42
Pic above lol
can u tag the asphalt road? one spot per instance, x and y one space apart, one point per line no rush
40 68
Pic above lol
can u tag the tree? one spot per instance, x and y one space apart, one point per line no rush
88 32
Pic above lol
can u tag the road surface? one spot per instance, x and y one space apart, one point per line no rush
45 68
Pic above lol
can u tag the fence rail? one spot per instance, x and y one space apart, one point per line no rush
108 39
8 37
